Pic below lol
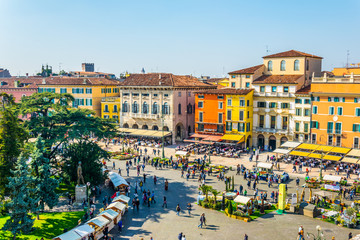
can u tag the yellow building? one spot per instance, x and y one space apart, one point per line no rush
88 92
243 78
110 108
346 71
238 115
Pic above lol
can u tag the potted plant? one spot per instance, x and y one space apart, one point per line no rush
337 220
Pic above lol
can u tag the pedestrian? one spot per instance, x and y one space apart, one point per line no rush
301 233
155 179
164 203
113 165
183 237
246 237
153 197
178 209
120 226
189 208
180 236
120 171
144 177
297 181
350 236
166 185
241 189
202 220
134 204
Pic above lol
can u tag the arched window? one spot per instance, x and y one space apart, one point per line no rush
282 65
296 65
155 108
155 128
270 66
165 128
145 108
115 109
135 107
106 108
125 106
179 108
166 109
145 127
126 125
135 126
189 108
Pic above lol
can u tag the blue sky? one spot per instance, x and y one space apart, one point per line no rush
199 37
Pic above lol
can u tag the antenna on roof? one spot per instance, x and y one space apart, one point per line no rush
347 58
143 71
267 49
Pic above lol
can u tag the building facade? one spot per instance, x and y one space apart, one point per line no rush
243 78
19 87
302 117
110 108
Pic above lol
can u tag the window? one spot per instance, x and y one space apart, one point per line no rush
356 142
248 127
355 100
313 138
145 108
336 99
273 89
298 101
166 95
228 126
220 117
284 123
286 89
338 141
179 94
331 110
339 111
315 109
296 65
242 103
125 94
77 90
247 103
261 104
88 90
63 90
273 122
200 104
220 129
106 108
108 90
145 94
201 117
166 108
306 127
155 108
106 116
155 95
307 65
272 105
241 127
88 102
201 127
229 115
298 112
306 101
233 76
241 116
357 112
201 96
343 99
220 97
356 127
330 140
315 124
229 101
247 85
233 84
282 65
330 127
136 94
189 109
189 94
135 107
270 66
220 105
179 108
262 88
285 105
115 109
338 128
125 107
247 76
329 99
318 99
307 112
297 126
261 121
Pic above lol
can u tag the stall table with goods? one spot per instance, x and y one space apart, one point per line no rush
332 183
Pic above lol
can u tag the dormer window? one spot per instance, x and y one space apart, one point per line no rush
270 66
283 65
286 89
296 65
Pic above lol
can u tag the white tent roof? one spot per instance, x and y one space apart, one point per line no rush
242 199
181 153
264 165
99 221
70 235
109 213
282 151
290 144
332 178
84 230
117 180
122 198
117 205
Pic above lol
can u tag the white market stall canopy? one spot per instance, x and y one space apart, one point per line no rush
117 180
242 199
109 214
282 151
122 198
181 153
84 230
117 205
332 178
70 235
99 221
290 144
264 165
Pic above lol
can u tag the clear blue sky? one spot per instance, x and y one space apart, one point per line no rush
179 36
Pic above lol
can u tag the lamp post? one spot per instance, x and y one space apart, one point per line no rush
320 235
88 196
162 131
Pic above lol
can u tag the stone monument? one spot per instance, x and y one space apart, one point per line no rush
80 188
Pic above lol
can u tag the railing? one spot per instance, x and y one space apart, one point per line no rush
110 99
271 130
144 115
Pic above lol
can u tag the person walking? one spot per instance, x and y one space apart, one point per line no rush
202 220
189 208
120 226
180 236
301 233
178 209
246 237
164 203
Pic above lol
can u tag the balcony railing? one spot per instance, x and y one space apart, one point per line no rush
271 130
110 99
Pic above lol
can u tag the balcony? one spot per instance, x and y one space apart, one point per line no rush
144 115
110 99
271 94
284 94
272 130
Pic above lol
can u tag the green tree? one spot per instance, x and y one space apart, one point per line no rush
206 189
90 155
45 182
215 193
12 137
22 199
58 123
230 207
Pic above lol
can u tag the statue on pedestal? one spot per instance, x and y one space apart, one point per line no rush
80 176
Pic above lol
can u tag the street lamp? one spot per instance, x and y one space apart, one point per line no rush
162 131
319 236
321 164
88 196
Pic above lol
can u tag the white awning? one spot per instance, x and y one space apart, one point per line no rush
117 180
70 235
181 153
332 178
282 151
109 214
117 205
264 165
122 198
99 221
84 230
290 144
242 199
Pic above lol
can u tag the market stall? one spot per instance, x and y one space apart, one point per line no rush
118 207
119 182
263 170
332 183
110 215
84 231
99 223
122 198
70 235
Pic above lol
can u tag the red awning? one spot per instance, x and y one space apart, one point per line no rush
212 138
196 135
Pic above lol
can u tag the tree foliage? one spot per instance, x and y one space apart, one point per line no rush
12 137
90 155
45 182
23 199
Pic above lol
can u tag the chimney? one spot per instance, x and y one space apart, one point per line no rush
27 75
16 83
159 83
160 76
44 81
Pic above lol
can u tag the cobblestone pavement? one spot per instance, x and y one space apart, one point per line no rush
162 223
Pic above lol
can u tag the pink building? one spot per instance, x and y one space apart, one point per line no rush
19 87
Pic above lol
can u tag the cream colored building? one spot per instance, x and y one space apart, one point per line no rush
243 78
302 115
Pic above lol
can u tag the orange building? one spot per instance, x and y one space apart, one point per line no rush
336 111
